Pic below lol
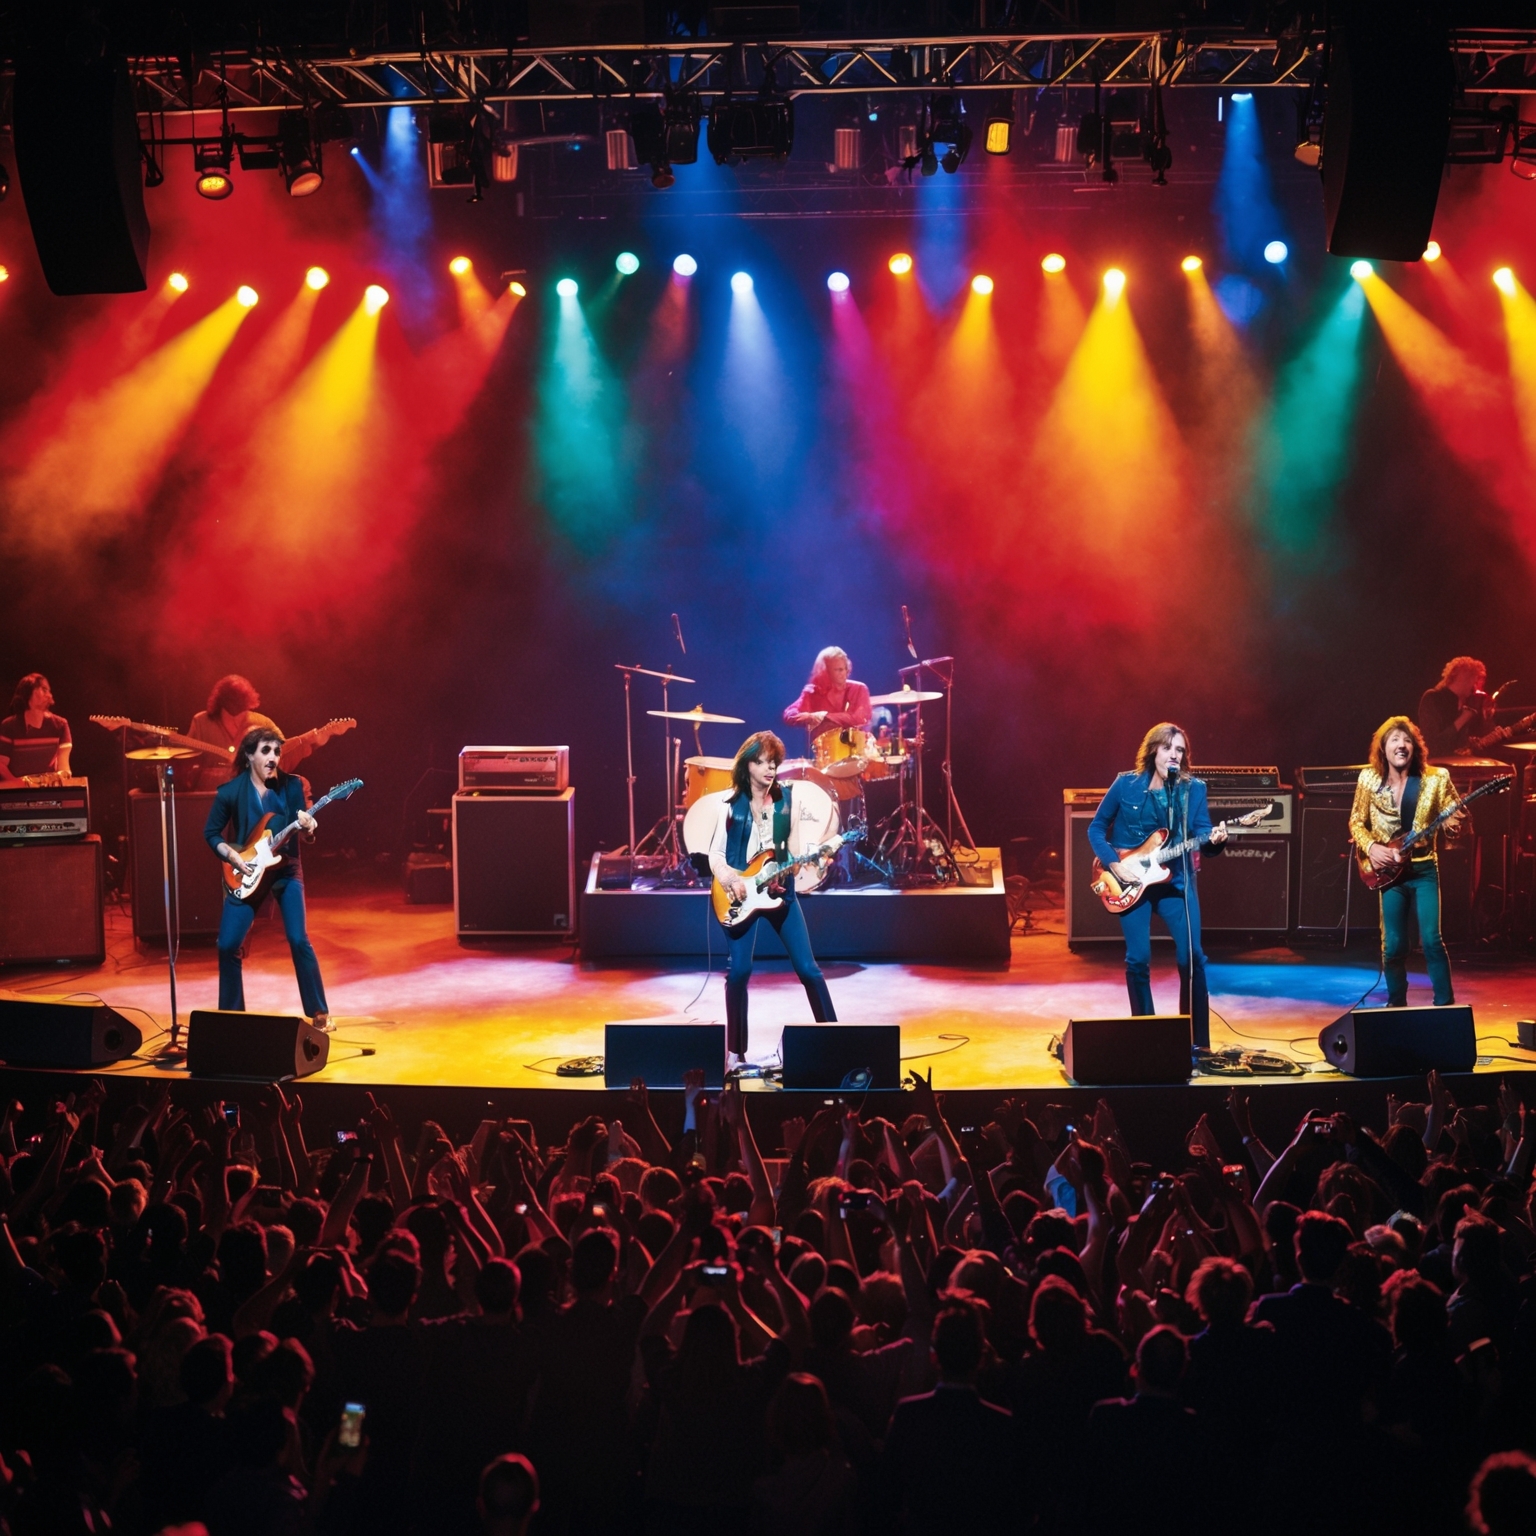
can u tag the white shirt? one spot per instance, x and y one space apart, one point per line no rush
759 838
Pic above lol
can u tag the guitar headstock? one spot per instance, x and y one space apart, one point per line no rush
342 790
119 722
337 727
111 722
1254 817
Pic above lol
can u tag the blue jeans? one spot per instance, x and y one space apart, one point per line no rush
1167 900
235 924
789 923
1418 891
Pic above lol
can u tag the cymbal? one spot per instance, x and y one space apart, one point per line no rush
159 754
906 696
697 715
1517 746
666 677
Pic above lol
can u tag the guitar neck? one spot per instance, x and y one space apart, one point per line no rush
1430 828
292 826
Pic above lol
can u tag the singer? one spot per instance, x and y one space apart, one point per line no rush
830 700
1159 793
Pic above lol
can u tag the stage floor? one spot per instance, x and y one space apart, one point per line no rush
414 1007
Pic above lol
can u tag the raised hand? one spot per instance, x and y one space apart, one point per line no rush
1240 1110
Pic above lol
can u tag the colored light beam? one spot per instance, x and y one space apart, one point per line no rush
474 301
1520 335
1062 316
109 450
1245 206
755 392
402 214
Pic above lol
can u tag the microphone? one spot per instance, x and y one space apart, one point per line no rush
906 620
1171 772
677 629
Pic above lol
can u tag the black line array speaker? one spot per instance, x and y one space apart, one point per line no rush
842 1058
201 883
1386 126
1402 1042
1326 868
77 153
45 1032
514 863
51 902
659 1052
263 1047
1247 887
1153 1049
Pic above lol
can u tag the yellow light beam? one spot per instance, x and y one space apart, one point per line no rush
1520 335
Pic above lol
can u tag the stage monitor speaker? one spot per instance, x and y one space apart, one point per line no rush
50 1032
1153 1049
514 864
51 902
842 1058
262 1047
200 884
1402 1042
1386 126
77 153
660 1052
1326 873
1247 887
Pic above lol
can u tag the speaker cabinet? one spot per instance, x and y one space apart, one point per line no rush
842 1058
51 902
200 884
514 864
262 1047
1247 887
45 1032
1088 921
77 153
1386 127
1402 1042
1153 1049
660 1051
1326 874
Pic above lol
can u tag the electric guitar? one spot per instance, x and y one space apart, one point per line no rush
762 875
315 738
1379 879
1152 862
261 852
1501 733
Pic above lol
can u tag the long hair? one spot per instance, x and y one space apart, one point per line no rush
252 739
1456 663
233 693
29 685
1162 736
819 670
754 747
1378 757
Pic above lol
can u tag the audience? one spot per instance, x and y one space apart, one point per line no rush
248 1322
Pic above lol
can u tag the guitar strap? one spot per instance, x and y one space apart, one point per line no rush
781 824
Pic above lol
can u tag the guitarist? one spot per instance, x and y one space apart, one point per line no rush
1158 794
757 814
260 788
231 712
1398 791
1449 711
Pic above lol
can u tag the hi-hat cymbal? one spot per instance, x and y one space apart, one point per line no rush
906 696
159 754
697 715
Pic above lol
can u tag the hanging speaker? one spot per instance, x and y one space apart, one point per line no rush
44 1032
264 1047
1401 1042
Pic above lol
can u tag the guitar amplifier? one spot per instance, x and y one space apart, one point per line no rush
1088 920
523 770
1247 887
51 811
514 864
52 898
1242 781
200 886
1337 776
1278 822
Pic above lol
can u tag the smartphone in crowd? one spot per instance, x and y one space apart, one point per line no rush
231 1112
350 1434
715 1274
344 1137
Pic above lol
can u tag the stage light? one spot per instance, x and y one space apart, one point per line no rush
517 290
5 274
837 282
1276 252
1114 282
1191 264
627 263
1242 95
760 129
177 282
999 135
298 155
1504 281
900 264
567 288
211 161
355 151
375 298
684 266
460 265
316 278
1432 251
1360 270
1053 263
741 282
245 295
981 284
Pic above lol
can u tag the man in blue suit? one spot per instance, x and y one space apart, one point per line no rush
1158 793
261 788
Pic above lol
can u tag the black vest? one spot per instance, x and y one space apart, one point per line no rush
739 831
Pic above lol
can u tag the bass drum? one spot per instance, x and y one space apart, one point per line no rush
700 821
704 776
813 821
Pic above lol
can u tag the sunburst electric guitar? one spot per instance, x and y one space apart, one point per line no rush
261 852
762 876
1153 862
315 738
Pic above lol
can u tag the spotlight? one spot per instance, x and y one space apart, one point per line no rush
668 135
375 298
1242 95
1504 281
1360 270
1276 252
298 155
316 278
837 282
900 264
741 282
1053 263
460 265
981 284
567 288
355 151
211 161
627 263
948 129
1432 251
245 296
1191 264
177 282
1114 282
763 129
684 265
999 135
5 274
517 290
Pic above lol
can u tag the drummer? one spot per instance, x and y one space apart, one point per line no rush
831 701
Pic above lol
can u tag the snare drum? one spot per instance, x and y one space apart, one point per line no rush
840 754
704 775
884 759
